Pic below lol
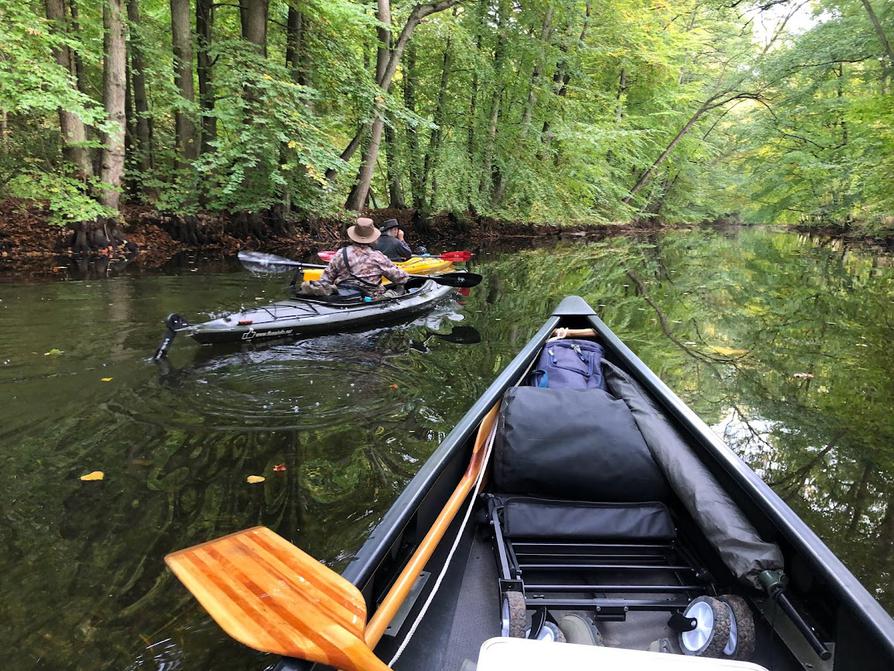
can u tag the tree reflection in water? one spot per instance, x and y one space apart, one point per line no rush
781 343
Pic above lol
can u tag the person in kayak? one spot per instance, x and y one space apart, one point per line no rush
392 244
358 267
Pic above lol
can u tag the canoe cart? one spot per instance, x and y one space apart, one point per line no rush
560 529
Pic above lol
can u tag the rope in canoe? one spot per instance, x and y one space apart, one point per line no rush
459 535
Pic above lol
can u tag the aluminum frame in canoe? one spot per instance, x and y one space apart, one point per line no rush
856 627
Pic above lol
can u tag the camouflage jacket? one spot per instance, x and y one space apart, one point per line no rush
366 267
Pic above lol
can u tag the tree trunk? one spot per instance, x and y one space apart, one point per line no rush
418 13
561 77
392 149
74 134
205 72
413 162
143 121
715 101
76 57
472 120
113 86
488 174
253 15
545 32
500 181
181 38
130 126
434 142
295 45
357 198
882 37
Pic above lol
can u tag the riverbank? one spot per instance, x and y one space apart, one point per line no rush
30 244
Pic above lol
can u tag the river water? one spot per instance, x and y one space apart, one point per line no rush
781 343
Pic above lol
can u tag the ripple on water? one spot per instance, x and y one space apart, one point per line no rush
339 380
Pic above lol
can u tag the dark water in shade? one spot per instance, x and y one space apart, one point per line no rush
781 343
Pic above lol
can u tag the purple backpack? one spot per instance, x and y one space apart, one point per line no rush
569 364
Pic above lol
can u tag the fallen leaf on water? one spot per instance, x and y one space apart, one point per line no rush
105 379
255 479
93 475
279 468
53 352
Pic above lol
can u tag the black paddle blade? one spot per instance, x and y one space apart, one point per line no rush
458 279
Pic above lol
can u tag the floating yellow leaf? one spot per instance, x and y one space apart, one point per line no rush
105 379
255 479
53 352
93 475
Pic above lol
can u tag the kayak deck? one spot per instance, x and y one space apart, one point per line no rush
315 316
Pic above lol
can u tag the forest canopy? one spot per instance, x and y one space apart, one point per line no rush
560 111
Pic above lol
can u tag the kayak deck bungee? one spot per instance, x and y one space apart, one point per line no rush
415 266
652 536
308 316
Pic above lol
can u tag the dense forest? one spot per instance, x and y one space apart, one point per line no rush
561 111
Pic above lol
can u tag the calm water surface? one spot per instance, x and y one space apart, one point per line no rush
783 344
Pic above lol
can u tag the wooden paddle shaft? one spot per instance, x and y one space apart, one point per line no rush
401 587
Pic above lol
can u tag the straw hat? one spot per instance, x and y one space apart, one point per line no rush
364 232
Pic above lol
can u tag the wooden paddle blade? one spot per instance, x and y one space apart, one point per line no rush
273 597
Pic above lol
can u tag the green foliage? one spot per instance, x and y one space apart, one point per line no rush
70 199
820 151
559 111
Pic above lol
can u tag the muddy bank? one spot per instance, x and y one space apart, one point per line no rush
30 245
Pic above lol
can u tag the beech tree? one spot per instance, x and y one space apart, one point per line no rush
553 111
181 37
113 93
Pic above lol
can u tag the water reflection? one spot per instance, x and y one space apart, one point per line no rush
779 342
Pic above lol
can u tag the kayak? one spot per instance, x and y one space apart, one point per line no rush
599 528
417 265
310 316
